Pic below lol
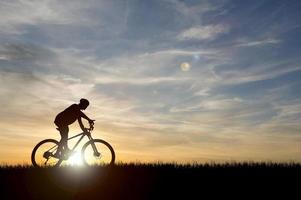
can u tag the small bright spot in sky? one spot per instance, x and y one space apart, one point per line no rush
196 57
185 66
76 159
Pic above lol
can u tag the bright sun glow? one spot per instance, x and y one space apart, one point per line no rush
185 66
75 159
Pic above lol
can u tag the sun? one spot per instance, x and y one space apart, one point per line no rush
185 66
76 159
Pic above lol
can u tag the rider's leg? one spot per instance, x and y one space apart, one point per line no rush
64 137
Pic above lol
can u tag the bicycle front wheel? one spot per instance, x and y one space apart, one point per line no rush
98 152
43 154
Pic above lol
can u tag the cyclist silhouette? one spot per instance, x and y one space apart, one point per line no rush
67 117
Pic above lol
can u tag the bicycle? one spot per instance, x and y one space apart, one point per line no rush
93 152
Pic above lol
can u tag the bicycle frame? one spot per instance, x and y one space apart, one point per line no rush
83 134
80 139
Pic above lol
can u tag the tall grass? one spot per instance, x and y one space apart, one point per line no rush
175 165
149 180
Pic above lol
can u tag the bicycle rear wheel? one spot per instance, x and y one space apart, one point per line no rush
104 154
43 154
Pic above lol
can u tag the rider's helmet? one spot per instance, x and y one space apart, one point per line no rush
83 103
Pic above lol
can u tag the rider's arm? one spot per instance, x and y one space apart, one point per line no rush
85 116
81 123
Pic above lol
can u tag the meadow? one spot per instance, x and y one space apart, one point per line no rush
152 181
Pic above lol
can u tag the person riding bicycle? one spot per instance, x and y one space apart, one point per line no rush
67 117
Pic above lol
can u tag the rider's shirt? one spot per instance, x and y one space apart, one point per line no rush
68 116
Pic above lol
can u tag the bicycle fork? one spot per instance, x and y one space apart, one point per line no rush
96 153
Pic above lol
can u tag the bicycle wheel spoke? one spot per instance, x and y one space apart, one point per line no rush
52 148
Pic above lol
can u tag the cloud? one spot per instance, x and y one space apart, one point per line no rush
193 12
268 41
184 52
24 52
138 81
208 32
16 13
258 72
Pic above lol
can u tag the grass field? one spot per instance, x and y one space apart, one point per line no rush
151 181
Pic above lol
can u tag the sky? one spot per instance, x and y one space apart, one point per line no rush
167 80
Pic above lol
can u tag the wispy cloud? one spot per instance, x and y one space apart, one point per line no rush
268 41
259 72
194 12
17 13
208 32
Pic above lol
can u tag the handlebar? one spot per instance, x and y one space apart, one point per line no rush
91 127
